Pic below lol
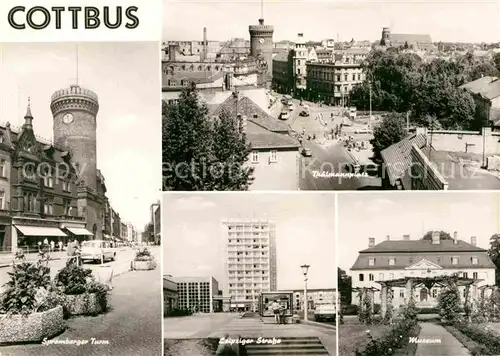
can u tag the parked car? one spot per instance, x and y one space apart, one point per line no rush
304 112
363 130
306 152
285 115
325 312
97 250
352 112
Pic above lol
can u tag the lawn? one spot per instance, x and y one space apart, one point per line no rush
353 336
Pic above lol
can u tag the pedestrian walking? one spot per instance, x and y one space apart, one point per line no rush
276 311
282 315
46 242
60 245
52 246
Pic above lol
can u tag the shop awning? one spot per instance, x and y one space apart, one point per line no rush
39 231
79 231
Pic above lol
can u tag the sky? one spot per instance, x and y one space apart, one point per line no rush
125 78
396 214
445 20
194 243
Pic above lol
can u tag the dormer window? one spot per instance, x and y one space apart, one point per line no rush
371 261
474 260
2 138
392 261
454 260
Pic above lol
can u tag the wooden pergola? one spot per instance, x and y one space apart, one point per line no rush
410 283
361 294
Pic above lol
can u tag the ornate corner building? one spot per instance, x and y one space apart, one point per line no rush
54 191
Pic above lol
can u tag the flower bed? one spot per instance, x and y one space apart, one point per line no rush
34 327
82 294
489 341
143 261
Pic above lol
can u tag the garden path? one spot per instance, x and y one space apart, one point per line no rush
434 340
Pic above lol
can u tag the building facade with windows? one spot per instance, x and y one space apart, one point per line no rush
275 153
396 259
197 294
315 297
251 260
170 294
53 189
333 82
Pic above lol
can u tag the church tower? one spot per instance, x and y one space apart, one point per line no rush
74 112
261 46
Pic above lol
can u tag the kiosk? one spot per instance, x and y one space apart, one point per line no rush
284 299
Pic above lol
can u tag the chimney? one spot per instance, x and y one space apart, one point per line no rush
388 237
371 241
205 43
301 35
436 238
261 22
406 237
473 241
455 237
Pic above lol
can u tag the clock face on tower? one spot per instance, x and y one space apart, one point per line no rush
261 41
68 118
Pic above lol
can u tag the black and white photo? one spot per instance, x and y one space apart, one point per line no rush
338 95
79 189
249 273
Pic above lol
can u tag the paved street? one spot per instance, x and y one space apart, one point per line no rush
132 326
329 156
122 263
217 325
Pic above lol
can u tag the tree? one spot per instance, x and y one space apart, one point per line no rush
494 253
496 61
390 131
443 235
148 234
344 286
199 153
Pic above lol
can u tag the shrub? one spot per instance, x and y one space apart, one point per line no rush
365 311
101 292
22 294
487 339
143 255
179 312
449 302
349 309
72 279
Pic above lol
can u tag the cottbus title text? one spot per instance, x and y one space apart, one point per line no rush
74 17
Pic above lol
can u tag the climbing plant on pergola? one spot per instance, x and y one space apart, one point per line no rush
410 283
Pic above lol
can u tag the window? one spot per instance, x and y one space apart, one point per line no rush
298 70
474 275
274 156
2 199
345 78
338 77
3 168
48 181
381 276
371 261
434 293
371 277
359 76
391 275
454 260
183 82
401 294
474 260
392 261
354 77
255 156
361 277
465 275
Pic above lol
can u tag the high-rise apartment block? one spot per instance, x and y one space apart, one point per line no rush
251 260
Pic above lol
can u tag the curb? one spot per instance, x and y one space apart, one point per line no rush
314 323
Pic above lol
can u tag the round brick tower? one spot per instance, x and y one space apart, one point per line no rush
261 45
75 110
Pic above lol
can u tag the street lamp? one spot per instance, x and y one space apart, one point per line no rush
305 269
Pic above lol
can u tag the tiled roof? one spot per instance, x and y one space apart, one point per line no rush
268 140
241 105
488 87
410 38
407 253
198 77
397 157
